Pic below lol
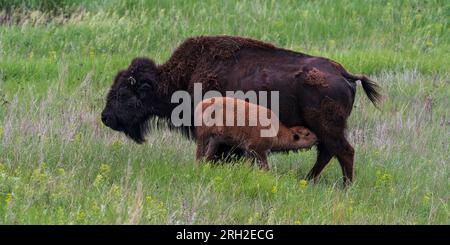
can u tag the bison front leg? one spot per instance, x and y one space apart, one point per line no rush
201 149
211 150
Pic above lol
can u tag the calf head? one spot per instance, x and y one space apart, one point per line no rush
131 99
303 137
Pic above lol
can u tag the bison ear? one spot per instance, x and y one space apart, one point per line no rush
296 137
120 74
142 64
143 70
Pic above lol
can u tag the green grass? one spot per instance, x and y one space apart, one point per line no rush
58 164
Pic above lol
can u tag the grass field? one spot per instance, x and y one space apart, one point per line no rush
60 165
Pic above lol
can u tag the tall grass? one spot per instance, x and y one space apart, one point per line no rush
58 164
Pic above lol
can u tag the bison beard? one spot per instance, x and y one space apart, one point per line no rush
315 92
136 132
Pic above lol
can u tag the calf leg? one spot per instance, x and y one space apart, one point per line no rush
259 157
262 160
227 153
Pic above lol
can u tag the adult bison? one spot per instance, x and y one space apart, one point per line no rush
314 91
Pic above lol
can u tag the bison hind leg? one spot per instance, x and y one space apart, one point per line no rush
329 122
323 158
345 155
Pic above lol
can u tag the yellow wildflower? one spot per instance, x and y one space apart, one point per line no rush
52 55
349 210
207 166
332 43
115 190
61 171
2 167
99 179
81 216
105 169
116 143
8 198
148 199
77 137
161 205
426 199
218 179
274 189
303 184
250 220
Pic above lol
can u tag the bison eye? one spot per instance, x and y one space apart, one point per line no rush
145 87
296 137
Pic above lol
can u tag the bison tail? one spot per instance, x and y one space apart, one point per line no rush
370 87
372 90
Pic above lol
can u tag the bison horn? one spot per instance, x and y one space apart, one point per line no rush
132 80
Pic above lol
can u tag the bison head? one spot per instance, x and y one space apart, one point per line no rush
132 98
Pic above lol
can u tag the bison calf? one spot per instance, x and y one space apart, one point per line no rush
219 125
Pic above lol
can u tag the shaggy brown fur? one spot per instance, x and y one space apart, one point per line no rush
314 77
226 63
214 130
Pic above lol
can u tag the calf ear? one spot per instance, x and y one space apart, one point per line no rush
296 137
